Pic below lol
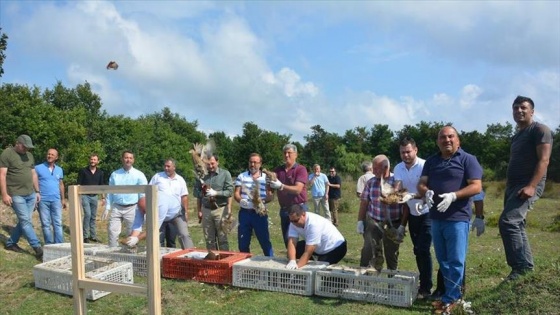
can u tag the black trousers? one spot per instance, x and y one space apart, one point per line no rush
332 257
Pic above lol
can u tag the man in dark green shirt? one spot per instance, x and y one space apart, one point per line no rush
20 190
213 204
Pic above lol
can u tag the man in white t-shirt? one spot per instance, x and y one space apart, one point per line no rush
175 185
321 239
407 174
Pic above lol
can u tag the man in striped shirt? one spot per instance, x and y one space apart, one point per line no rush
251 217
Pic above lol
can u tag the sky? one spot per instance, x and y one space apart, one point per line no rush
287 66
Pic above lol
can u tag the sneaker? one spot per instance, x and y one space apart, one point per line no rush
445 309
15 248
422 295
38 252
94 240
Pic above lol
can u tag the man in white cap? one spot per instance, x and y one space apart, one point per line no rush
20 190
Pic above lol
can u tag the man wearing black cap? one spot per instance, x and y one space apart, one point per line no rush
20 190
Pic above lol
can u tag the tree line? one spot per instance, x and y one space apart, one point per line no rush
72 121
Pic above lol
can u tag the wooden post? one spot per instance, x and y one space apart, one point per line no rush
80 284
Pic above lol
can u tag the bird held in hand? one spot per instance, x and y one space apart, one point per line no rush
200 154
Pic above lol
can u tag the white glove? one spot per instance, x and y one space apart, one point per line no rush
400 233
276 184
292 265
360 227
244 203
211 193
105 215
406 198
132 241
428 198
479 225
446 202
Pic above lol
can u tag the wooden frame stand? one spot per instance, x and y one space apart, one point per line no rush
79 281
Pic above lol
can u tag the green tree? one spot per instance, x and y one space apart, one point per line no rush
320 147
3 47
554 164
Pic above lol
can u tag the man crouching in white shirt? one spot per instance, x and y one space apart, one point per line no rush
322 240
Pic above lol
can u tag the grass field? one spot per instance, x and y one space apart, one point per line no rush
537 293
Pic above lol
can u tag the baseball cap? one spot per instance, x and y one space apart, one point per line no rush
26 141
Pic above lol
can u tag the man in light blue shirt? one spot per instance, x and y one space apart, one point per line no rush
319 184
124 206
51 186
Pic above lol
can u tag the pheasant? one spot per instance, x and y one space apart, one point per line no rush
112 65
200 155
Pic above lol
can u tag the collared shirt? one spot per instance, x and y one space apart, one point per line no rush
122 177
317 231
319 187
221 182
335 193
49 181
176 186
246 182
86 177
296 173
362 181
451 175
376 209
409 179
168 209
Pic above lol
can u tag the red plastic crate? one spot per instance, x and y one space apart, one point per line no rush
179 265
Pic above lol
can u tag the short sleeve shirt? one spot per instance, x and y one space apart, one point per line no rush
317 231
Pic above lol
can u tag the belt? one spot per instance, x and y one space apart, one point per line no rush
129 205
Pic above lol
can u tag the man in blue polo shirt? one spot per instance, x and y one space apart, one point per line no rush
454 176
52 198
124 206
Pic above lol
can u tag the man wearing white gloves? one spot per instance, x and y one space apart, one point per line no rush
251 218
290 186
416 213
322 239
169 210
376 220
455 176
212 204
122 207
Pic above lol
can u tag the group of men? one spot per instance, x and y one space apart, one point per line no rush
442 189
447 185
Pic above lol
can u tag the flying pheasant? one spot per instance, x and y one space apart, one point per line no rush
200 155
112 65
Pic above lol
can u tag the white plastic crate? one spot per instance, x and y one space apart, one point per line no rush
54 251
270 274
56 275
396 288
137 256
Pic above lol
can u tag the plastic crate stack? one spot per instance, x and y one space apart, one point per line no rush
56 275
137 256
193 264
396 288
270 274
54 251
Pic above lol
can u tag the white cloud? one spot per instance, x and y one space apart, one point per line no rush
469 95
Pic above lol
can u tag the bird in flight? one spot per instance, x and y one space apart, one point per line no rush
112 65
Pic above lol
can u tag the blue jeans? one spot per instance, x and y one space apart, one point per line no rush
89 204
250 221
451 239
51 214
512 227
420 228
23 207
